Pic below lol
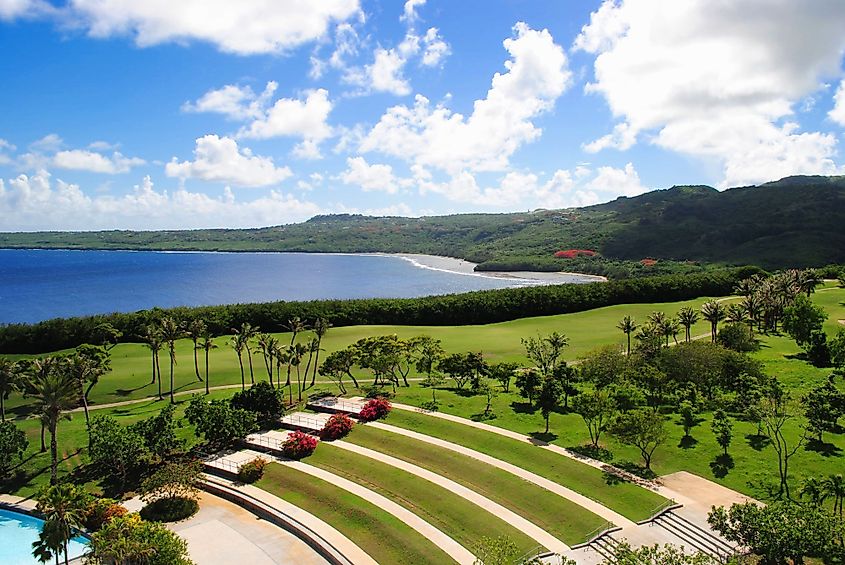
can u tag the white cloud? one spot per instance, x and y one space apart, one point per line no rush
409 12
435 49
537 74
244 27
609 180
717 80
837 114
48 143
83 160
376 177
5 147
13 9
219 159
623 137
233 101
34 203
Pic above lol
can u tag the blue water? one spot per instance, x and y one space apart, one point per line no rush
18 531
41 284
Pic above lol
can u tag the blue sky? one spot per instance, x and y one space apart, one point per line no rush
210 113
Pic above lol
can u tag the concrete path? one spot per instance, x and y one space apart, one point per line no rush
530 529
455 550
560 490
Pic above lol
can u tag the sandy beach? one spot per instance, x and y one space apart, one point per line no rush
460 266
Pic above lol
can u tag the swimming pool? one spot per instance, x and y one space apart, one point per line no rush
18 531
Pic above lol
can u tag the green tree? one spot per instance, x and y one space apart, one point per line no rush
172 481
207 345
458 367
628 326
195 329
713 312
63 510
171 332
219 423
624 554
128 540
495 551
267 346
689 416
722 429
568 377
339 364
776 413
490 393
823 406
13 444
115 450
248 332
548 400
642 429
429 352
152 339
239 343
833 486
9 382
545 351
87 365
597 409
802 318
503 372
159 433
262 399
603 366
836 347
737 337
527 383
321 328
687 317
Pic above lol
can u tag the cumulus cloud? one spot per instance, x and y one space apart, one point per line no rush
376 177
83 160
13 9
49 152
5 149
219 159
537 74
233 101
34 202
717 80
837 114
409 11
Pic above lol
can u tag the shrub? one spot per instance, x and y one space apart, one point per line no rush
253 470
573 253
101 511
298 445
263 400
375 409
337 426
170 509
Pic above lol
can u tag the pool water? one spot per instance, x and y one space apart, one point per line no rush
18 531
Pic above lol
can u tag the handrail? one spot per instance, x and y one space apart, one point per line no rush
336 403
664 507
605 528
296 419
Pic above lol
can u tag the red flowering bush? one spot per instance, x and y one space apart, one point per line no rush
648 262
253 470
375 409
573 253
337 426
298 445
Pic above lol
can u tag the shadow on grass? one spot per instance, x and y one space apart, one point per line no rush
757 442
721 465
600 453
545 437
823 448
523 407
128 391
687 442
483 416
636 469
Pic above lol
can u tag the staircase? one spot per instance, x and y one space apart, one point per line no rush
695 536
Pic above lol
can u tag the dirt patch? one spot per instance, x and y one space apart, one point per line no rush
841 322
703 492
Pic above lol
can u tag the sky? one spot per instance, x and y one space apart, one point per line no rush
120 114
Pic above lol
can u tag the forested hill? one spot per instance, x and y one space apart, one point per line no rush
793 222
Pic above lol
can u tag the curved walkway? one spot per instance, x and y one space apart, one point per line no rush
560 490
530 529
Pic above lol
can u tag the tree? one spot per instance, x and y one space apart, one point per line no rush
687 317
818 353
628 326
836 347
171 481
338 364
808 280
115 449
833 486
206 344
459 367
9 378
823 406
737 337
429 352
596 408
263 400
159 433
219 423
106 335
171 332
624 554
63 510
490 393
495 551
503 373
238 343
545 351
55 392
713 312
568 377
802 318
152 339
267 345
87 365
603 366
689 416
321 328
195 329
127 540
812 488
527 382
13 444
722 429
775 413
551 392
642 429
248 333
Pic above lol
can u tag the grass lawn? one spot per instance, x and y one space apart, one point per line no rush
458 518
381 535
631 501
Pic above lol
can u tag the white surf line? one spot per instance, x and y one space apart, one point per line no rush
560 490
455 550
530 529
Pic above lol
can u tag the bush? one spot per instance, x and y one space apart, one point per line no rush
170 509
375 409
337 426
253 470
298 445
101 511
262 399
737 336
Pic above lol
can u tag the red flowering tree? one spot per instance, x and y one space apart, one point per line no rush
375 409
337 426
298 445
573 253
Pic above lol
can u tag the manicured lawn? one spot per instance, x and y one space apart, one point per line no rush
381 535
560 517
460 519
631 501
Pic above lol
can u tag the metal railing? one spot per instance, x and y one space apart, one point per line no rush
597 532
271 443
303 422
337 404
658 510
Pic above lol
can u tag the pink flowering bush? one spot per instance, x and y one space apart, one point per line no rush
337 426
375 409
298 445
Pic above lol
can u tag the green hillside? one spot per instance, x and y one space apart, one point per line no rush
794 222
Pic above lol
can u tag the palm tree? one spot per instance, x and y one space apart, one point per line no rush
751 305
171 332
195 330
311 348
713 312
266 344
295 354
238 344
321 328
808 280
295 325
152 339
64 508
628 326
736 314
9 378
687 318
86 366
834 486
248 332
206 344
55 391
813 489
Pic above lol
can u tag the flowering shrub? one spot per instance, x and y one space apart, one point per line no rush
375 409
253 470
648 262
299 445
573 253
337 426
101 511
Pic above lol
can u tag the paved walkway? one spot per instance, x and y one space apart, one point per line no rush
530 529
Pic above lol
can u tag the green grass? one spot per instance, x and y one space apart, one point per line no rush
560 517
460 519
381 535
633 502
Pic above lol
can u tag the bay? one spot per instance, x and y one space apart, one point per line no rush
37 285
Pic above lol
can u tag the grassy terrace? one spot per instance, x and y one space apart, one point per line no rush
631 501
465 522
560 517
378 533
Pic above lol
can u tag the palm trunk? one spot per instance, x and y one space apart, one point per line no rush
241 363
154 355
54 453
307 368
298 385
251 375
629 342
43 445
2 407
206 371
158 373
172 401
196 362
